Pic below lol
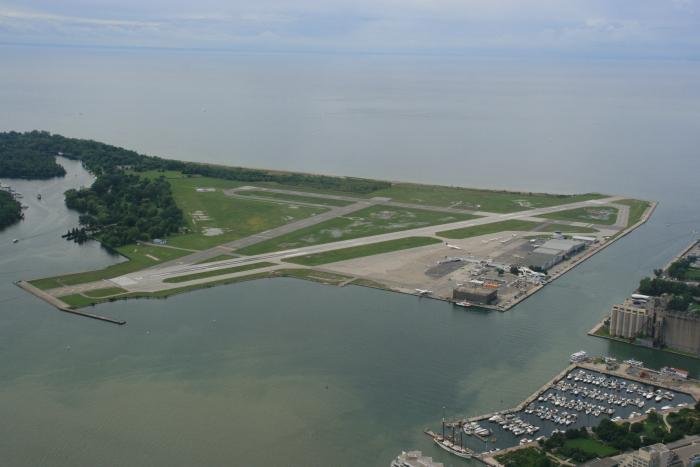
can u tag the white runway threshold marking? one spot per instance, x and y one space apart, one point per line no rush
123 281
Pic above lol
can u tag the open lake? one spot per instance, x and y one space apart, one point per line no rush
287 372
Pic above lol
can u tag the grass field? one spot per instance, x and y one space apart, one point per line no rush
214 218
106 292
218 272
295 198
362 250
140 257
605 215
590 445
80 301
363 223
484 200
637 208
485 229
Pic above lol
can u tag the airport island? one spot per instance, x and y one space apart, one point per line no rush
185 226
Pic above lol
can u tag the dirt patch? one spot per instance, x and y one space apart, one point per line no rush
212 231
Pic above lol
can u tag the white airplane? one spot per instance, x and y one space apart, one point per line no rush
424 291
454 247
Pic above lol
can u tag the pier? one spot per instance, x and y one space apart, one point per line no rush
60 305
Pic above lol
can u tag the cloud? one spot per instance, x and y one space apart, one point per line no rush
631 26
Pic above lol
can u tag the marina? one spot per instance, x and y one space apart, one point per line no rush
582 395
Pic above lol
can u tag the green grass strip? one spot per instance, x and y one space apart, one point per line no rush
138 259
485 229
584 215
362 250
637 209
217 272
295 198
106 292
566 228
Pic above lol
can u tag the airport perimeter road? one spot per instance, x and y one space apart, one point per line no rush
151 280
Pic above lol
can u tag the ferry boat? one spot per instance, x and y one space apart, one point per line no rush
579 356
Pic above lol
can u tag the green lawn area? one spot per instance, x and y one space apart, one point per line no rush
79 301
637 208
605 215
106 292
361 251
590 445
295 198
484 200
525 457
485 229
140 257
373 220
214 218
218 272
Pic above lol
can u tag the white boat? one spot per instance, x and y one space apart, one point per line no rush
463 303
14 240
579 356
458 451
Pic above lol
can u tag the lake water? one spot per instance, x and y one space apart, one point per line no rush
286 372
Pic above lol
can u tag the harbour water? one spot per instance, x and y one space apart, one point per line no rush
286 372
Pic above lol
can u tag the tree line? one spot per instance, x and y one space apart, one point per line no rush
682 294
99 158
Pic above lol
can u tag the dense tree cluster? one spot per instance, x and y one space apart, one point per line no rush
557 443
526 457
10 210
682 293
679 269
120 209
22 157
99 157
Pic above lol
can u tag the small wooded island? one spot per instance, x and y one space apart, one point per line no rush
10 210
186 225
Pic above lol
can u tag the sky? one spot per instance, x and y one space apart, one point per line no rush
619 28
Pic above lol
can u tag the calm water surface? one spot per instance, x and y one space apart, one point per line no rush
285 372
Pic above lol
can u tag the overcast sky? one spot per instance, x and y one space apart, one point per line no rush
635 28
